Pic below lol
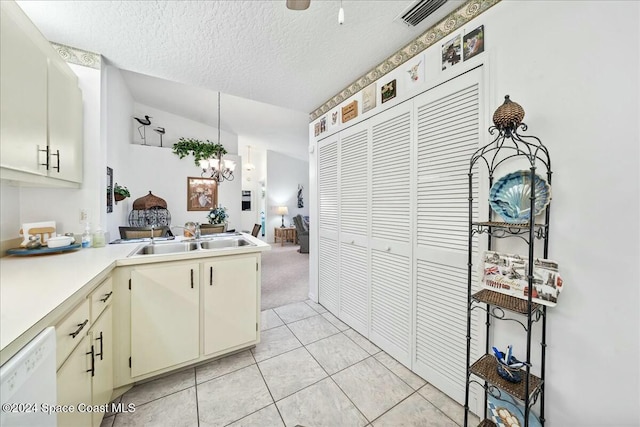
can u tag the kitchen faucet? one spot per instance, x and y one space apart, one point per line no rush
195 232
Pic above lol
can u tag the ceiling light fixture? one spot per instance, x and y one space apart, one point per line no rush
298 4
341 14
216 167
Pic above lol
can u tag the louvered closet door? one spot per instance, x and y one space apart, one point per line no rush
448 129
328 196
354 227
391 233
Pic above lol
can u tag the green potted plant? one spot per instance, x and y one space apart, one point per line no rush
218 215
198 149
120 192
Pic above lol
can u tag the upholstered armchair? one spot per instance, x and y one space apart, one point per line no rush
303 234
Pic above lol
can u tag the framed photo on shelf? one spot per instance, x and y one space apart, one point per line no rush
202 194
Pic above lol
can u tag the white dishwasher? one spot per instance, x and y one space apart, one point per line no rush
28 380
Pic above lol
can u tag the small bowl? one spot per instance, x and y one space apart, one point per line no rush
59 241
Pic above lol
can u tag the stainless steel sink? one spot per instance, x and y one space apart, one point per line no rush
225 242
214 243
167 248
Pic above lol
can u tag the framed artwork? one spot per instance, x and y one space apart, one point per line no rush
414 71
473 43
388 91
109 190
202 194
369 97
451 53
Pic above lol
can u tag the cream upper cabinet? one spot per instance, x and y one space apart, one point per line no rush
230 289
65 123
165 319
23 95
42 113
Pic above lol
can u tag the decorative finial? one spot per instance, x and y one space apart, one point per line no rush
509 115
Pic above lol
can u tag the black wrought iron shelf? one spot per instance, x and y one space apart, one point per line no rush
506 302
487 368
505 229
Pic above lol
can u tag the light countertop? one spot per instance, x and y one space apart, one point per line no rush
36 289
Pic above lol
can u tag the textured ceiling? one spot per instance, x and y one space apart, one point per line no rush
253 49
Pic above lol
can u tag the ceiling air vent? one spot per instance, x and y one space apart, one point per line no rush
419 11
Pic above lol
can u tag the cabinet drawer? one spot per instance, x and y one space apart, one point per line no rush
101 298
70 331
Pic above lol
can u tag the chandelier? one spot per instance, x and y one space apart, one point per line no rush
216 167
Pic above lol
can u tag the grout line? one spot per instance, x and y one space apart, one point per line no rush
227 373
381 415
270 394
398 376
349 399
195 379
437 407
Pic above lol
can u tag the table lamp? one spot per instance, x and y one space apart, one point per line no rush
283 210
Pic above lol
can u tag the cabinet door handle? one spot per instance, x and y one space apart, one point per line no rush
210 276
192 278
46 150
93 362
57 154
106 297
80 327
101 340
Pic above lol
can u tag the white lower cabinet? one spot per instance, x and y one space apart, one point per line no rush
101 335
172 314
164 316
230 294
74 385
85 377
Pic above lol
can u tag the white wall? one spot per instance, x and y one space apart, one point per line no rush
284 173
119 109
573 66
175 127
253 181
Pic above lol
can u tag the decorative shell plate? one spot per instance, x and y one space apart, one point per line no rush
509 196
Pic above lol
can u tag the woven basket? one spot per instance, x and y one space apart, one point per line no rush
513 375
509 115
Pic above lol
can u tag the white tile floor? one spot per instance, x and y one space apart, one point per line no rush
310 369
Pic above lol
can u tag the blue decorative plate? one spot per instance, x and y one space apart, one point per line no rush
509 196
42 250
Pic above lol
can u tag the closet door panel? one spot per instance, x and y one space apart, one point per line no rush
391 231
328 196
448 129
354 227
391 175
354 181
354 287
391 303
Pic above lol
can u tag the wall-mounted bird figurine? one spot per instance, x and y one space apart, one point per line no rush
161 132
144 123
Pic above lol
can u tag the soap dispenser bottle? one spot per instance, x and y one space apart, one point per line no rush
86 236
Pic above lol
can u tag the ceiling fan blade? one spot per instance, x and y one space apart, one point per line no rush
298 4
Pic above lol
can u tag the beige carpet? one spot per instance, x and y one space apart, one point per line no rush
285 276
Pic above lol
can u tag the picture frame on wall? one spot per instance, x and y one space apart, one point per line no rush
451 52
369 97
388 91
202 194
109 190
473 43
